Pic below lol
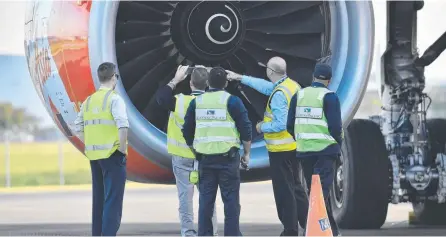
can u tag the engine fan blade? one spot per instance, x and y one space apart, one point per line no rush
153 38
144 89
293 45
136 48
160 6
304 22
247 5
274 9
137 68
138 29
299 69
136 11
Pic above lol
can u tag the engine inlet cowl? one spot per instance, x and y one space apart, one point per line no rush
148 40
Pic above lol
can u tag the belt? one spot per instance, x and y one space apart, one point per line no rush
232 150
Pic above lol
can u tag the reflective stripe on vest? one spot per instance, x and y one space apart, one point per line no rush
100 132
281 141
99 121
215 130
314 136
181 108
217 139
310 126
176 144
99 147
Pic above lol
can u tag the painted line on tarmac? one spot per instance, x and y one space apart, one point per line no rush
84 187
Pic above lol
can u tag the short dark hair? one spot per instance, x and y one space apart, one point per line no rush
199 78
106 71
217 78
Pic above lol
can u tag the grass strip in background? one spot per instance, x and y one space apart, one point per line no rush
36 164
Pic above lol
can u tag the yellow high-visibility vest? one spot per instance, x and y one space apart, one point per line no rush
280 141
215 130
100 131
310 125
176 144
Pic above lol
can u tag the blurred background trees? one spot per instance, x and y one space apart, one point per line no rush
23 126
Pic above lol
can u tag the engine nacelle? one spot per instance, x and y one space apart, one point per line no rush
65 41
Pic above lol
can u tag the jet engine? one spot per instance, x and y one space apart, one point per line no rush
65 41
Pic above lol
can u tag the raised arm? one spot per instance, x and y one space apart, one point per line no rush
164 96
263 86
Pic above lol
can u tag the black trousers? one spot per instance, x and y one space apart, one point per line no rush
219 171
324 166
289 194
108 181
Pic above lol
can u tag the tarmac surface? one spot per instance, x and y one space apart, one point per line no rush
152 210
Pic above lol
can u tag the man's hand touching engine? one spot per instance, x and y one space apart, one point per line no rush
180 75
232 76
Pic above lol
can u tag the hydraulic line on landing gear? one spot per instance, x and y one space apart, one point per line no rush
404 111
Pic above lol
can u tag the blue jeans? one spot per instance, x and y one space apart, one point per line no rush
181 169
219 171
108 178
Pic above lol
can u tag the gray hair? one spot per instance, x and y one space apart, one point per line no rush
199 78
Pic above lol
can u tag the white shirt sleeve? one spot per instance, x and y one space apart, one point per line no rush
79 122
119 112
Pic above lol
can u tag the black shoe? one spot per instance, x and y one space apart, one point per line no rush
289 233
336 234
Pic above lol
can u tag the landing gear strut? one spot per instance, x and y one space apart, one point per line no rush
400 157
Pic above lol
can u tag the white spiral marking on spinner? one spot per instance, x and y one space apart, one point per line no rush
208 22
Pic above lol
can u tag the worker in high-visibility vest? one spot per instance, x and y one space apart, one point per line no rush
315 120
184 164
102 125
216 122
289 194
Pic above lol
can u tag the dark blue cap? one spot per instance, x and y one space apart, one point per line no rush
322 71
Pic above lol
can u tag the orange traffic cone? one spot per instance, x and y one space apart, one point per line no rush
317 220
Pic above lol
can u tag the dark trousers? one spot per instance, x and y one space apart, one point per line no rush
324 166
223 172
289 194
108 177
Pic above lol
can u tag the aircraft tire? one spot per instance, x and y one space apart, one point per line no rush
363 203
431 212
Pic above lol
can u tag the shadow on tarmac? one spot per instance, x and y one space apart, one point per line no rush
172 229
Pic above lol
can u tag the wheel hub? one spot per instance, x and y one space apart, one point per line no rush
339 184
207 31
339 179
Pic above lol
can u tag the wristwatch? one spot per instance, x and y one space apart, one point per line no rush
172 84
